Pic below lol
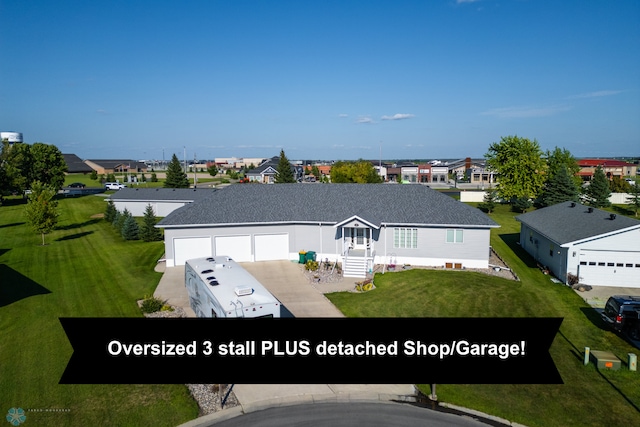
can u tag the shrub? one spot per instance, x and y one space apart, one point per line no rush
311 265
152 304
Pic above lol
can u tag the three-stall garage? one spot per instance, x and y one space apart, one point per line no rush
242 248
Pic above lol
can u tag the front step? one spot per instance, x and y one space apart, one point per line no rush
355 267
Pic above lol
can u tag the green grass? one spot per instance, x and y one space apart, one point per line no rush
588 397
85 270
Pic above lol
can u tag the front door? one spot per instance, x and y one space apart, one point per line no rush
360 238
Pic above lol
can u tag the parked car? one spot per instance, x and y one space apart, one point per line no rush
76 185
113 185
622 313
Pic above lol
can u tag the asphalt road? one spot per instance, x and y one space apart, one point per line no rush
348 415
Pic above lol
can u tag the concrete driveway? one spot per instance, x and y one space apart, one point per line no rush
284 279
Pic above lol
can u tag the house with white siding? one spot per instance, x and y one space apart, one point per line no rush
598 247
163 201
358 225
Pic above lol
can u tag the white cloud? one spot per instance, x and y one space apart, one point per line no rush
365 119
526 112
466 1
596 94
342 116
398 117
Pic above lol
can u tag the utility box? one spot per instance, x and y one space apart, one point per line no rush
605 360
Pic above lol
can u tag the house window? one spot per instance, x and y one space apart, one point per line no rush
454 236
405 238
550 250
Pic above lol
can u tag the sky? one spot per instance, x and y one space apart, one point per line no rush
335 80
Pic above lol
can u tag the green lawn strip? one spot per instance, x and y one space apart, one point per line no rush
86 270
588 398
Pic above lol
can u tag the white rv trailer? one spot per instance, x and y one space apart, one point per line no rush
220 287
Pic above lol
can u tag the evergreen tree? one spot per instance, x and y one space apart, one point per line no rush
176 178
284 174
489 201
598 192
560 188
130 229
110 211
148 232
41 210
93 175
520 204
634 198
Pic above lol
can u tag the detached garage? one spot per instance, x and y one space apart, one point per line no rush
597 247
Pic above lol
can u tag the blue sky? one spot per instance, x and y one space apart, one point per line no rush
321 80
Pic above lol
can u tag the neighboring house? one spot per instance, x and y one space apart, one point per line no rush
598 247
266 172
610 168
162 200
356 224
112 166
75 164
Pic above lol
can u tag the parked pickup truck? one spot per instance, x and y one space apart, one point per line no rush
113 186
622 313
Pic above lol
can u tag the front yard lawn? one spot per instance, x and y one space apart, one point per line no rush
588 397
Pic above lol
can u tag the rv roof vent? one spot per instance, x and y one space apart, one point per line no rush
612 216
211 278
242 291
211 259
589 210
214 283
207 271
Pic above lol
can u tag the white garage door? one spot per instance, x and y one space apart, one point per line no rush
610 268
236 247
270 247
185 248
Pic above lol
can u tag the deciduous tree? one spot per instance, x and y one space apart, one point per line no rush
360 172
48 165
519 165
41 210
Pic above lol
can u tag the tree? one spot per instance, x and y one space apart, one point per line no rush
48 165
560 188
284 174
110 212
176 178
41 210
148 231
489 201
213 170
130 229
15 168
519 165
619 185
93 175
562 157
520 204
598 191
634 198
361 172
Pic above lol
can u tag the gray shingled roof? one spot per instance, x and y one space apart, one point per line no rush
328 203
161 194
75 164
562 223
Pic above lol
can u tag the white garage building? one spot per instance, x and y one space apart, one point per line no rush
600 248
162 200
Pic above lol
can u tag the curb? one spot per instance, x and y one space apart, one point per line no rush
479 414
242 409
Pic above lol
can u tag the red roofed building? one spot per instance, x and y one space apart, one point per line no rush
610 167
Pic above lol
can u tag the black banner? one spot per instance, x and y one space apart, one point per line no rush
311 351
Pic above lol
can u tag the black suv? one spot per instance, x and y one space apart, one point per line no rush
622 313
